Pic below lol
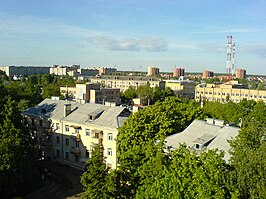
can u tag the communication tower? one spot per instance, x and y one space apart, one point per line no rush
230 67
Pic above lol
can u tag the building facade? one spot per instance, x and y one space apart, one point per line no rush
124 82
229 91
65 70
178 72
24 70
182 88
68 131
207 74
153 71
241 73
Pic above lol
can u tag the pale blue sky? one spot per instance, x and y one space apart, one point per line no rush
133 34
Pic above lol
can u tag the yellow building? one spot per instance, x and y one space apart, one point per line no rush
124 82
228 91
68 131
182 88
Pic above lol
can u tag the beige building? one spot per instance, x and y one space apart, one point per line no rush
91 93
207 74
65 70
153 71
104 95
68 131
182 88
178 72
106 70
240 73
123 82
231 90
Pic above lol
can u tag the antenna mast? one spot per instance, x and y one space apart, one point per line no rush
230 67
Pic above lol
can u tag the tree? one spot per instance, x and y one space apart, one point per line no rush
95 176
17 152
130 93
137 137
249 159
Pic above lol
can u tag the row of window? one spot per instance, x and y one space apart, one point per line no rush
233 94
88 132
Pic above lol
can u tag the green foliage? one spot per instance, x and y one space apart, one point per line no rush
186 175
17 152
95 176
130 93
137 137
248 150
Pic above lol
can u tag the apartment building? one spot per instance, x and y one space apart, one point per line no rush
207 74
123 82
240 73
182 88
24 70
68 131
178 72
231 90
91 93
152 71
65 70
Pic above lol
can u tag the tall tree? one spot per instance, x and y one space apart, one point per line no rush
95 176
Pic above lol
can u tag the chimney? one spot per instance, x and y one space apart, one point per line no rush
67 109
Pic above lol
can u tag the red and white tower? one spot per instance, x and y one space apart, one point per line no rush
230 67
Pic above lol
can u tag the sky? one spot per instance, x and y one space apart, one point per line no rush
134 34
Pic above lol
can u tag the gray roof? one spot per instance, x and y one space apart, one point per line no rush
111 117
200 132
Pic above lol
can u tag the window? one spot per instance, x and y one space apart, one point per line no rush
95 134
57 126
76 130
67 128
66 155
197 146
67 142
57 153
110 136
87 132
76 158
109 151
57 139
77 144
40 122
32 121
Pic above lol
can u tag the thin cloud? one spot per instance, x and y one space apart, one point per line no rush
147 43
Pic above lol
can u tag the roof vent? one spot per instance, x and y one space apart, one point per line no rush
219 122
210 121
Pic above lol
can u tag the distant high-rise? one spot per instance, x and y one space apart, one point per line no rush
240 73
152 71
178 72
207 74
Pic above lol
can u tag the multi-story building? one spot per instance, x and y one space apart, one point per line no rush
105 95
123 82
240 73
228 91
68 131
91 93
24 70
178 72
106 71
64 70
88 71
182 88
153 71
207 74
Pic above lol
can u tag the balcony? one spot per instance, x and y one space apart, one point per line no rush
75 150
